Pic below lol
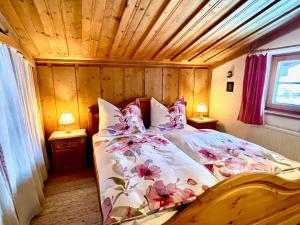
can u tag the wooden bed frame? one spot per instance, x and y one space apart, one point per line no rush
242 199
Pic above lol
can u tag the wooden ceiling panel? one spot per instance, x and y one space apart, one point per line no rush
260 20
161 30
114 10
204 18
245 43
220 30
168 31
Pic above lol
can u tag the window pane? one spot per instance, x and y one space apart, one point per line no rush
287 83
288 94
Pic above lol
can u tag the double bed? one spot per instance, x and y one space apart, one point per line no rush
189 176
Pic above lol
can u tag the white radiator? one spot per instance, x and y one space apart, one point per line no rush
284 142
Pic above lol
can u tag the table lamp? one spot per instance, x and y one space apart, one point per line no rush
66 120
201 109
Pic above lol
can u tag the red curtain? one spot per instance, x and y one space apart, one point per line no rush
251 111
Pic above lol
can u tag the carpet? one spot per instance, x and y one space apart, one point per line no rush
70 199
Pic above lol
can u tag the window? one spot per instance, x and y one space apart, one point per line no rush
284 84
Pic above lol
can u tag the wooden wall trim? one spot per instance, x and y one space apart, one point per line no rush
118 63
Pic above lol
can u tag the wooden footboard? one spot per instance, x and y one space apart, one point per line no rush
245 199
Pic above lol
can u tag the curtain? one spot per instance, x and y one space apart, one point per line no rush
251 110
21 136
7 210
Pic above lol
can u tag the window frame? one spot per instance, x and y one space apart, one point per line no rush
280 108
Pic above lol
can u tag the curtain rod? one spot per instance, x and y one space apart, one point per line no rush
275 48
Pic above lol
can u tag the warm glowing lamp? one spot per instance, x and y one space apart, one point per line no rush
67 119
201 109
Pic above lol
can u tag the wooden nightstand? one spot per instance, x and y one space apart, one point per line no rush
68 150
205 123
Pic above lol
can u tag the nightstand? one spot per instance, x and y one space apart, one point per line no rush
68 150
205 123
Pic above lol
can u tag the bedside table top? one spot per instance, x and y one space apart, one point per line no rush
56 135
204 120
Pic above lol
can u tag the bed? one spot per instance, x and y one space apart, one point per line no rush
198 196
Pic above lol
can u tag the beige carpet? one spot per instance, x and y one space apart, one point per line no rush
70 199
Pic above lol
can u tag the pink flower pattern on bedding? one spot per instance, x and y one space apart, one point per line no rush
176 116
144 173
129 120
225 155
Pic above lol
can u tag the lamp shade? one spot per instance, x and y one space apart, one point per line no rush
66 118
201 108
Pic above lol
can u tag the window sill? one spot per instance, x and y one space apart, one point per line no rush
282 114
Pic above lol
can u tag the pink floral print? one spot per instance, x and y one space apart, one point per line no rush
227 155
208 154
130 120
149 172
130 146
160 195
192 182
176 116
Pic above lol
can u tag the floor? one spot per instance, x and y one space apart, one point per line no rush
70 199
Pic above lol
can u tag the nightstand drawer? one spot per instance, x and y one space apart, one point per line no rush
203 124
67 143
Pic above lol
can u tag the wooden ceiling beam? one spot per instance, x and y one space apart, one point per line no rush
114 62
126 19
180 28
114 10
234 8
130 51
157 26
210 13
118 49
265 29
235 29
268 37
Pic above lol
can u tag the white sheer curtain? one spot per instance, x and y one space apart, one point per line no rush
21 135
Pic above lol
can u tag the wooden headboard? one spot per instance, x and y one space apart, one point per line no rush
93 120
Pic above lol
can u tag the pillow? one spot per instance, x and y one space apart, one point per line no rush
168 118
113 121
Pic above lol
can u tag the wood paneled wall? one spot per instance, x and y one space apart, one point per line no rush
75 88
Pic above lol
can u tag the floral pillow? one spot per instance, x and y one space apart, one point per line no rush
168 118
115 121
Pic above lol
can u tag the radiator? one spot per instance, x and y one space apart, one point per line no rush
286 143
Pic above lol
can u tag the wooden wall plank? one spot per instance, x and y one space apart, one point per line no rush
107 84
75 88
134 82
88 89
153 83
170 85
201 89
186 89
64 80
47 95
112 84
119 84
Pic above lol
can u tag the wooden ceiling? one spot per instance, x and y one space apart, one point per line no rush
182 31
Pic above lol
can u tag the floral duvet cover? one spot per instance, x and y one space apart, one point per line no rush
225 155
144 173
